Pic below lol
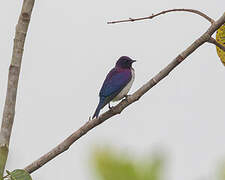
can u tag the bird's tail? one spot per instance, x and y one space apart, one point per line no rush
101 104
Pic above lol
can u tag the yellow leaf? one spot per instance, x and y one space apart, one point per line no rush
220 38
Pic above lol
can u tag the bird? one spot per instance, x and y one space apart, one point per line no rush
117 83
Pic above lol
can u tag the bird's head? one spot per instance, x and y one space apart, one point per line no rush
125 62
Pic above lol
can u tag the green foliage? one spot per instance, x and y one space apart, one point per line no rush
112 166
222 173
19 174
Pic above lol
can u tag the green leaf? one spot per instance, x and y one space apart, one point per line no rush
19 174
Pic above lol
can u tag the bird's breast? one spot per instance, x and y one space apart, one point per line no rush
126 89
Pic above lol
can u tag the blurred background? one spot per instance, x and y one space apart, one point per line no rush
175 131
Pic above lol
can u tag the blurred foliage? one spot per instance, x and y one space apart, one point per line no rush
114 166
222 173
220 38
18 174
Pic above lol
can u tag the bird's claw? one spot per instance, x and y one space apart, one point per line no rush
110 107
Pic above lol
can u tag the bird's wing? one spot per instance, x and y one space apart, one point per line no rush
115 81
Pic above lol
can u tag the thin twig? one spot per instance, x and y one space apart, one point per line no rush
13 77
63 146
213 41
163 12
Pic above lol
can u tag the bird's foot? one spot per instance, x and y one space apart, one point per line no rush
110 107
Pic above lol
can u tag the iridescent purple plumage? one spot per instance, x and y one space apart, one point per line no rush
115 83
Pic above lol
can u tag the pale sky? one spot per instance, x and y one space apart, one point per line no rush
68 52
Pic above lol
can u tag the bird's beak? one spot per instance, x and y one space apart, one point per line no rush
134 61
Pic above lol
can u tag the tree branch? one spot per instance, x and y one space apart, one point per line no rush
213 41
63 146
13 77
163 12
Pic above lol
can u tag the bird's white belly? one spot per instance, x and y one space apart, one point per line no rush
126 89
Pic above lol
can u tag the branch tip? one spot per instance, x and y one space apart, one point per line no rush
164 12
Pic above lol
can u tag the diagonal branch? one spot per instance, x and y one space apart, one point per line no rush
63 146
213 41
163 12
13 78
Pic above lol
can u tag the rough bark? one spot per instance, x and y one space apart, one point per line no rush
13 78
